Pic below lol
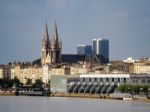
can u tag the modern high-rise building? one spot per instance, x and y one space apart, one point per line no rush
84 49
101 47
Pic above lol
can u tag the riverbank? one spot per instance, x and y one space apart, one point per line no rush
80 95
7 93
98 97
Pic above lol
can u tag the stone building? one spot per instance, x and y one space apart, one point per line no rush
77 70
119 66
24 73
139 68
5 72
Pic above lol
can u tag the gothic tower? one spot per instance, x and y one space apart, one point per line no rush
45 47
56 46
51 50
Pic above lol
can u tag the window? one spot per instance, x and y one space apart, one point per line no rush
99 80
112 79
124 80
106 79
143 81
89 79
148 81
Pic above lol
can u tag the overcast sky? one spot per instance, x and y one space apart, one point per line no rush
126 23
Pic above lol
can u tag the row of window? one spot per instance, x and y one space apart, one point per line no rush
104 80
141 81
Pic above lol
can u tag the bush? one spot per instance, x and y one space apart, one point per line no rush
6 83
38 83
136 89
16 81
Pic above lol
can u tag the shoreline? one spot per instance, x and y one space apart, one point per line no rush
97 97
91 96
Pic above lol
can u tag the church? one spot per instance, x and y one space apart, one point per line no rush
51 49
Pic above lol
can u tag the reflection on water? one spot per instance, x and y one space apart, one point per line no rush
51 104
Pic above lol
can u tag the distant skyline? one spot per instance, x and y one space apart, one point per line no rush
126 23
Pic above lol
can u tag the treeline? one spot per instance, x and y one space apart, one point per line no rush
9 83
134 89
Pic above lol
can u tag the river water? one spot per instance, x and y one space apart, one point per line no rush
58 104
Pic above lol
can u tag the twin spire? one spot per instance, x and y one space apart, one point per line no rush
46 35
51 49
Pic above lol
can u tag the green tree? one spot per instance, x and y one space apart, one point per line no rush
6 83
124 88
38 83
48 84
16 81
29 81
136 89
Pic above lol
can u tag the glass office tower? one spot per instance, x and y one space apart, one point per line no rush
101 47
84 49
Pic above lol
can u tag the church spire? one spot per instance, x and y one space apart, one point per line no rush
55 33
46 36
